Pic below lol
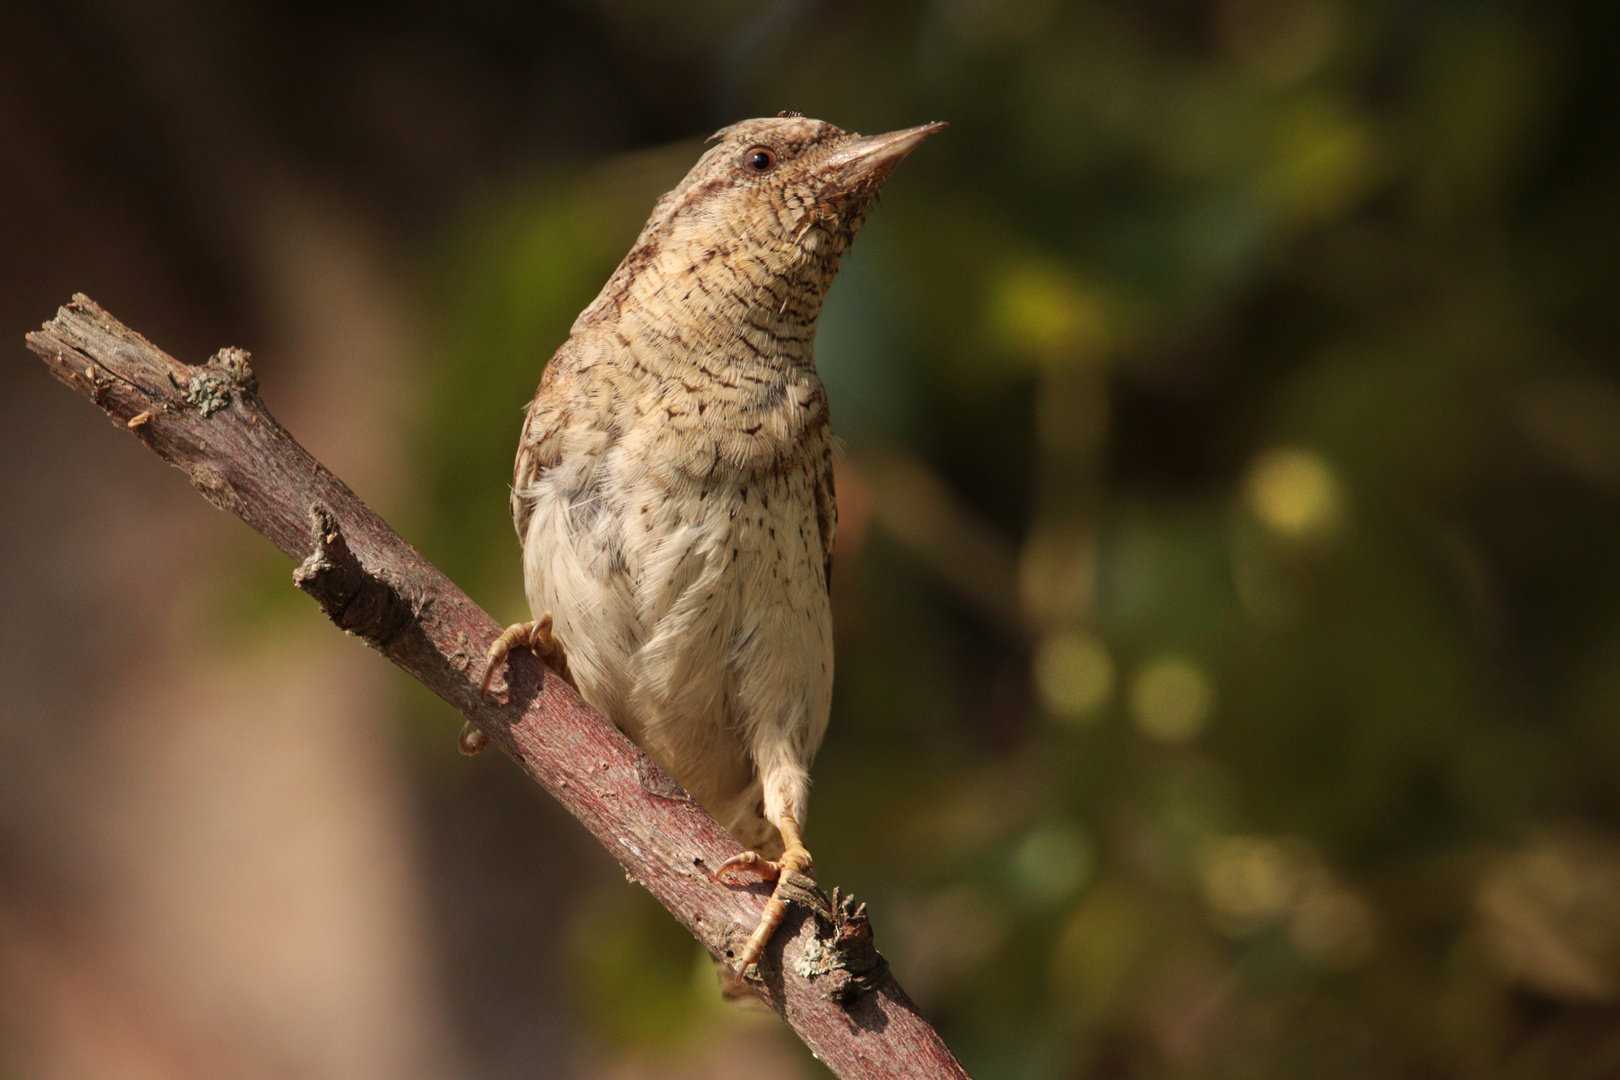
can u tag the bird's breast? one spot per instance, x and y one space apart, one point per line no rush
728 425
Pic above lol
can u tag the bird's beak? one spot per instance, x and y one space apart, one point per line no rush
867 161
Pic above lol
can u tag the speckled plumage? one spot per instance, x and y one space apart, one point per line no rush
674 489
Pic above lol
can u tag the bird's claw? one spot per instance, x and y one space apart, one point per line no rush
794 863
535 636
472 740
747 862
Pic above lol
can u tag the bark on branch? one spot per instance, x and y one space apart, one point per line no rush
824 978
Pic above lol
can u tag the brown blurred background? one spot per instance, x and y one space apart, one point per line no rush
1229 621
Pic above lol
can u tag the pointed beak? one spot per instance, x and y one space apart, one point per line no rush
867 161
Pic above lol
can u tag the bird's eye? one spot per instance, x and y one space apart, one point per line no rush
759 160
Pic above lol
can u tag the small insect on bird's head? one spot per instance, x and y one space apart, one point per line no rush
787 189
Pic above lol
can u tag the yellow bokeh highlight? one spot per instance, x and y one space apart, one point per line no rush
1248 880
1075 676
1171 699
1295 493
1039 309
1321 161
1250 883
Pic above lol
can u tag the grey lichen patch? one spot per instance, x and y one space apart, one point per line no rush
234 362
209 391
209 388
840 958
819 958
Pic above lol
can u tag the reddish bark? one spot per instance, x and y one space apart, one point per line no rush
208 421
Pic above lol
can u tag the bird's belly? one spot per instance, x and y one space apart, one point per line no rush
696 619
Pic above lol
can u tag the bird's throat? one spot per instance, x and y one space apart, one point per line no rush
736 310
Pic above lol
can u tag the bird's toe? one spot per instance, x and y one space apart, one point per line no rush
747 863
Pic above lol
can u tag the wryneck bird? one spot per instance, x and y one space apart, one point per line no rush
674 483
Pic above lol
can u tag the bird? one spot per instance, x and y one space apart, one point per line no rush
673 486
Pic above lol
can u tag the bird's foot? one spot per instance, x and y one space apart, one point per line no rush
749 862
794 863
472 740
535 636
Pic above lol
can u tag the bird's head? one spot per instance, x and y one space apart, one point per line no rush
785 176
768 212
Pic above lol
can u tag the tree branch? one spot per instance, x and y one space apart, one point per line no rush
824 978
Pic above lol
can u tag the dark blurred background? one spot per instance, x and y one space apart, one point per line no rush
1227 597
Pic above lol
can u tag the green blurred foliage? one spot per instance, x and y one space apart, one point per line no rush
1275 341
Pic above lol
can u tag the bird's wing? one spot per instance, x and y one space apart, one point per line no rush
827 512
537 451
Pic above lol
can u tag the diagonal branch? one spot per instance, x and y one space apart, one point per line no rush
826 980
